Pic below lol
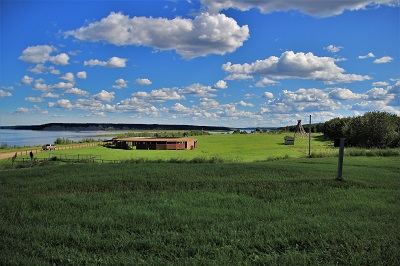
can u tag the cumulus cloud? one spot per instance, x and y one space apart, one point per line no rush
238 77
39 86
296 65
333 49
302 100
369 55
33 99
383 60
267 94
380 83
62 103
198 90
27 80
120 84
161 95
81 74
266 82
221 84
104 96
143 81
76 91
242 103
113 62
203 35
317 8
50 95
134 105
41 54
5 94
344 94
69 77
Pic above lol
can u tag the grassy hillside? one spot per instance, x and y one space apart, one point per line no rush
289 212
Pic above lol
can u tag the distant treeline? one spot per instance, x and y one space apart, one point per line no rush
110 126
178 134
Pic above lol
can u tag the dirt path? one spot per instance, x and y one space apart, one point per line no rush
10 154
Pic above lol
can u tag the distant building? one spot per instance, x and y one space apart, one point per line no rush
156 143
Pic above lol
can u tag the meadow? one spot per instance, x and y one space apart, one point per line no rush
220 147
262 210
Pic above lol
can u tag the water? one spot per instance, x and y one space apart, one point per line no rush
38 138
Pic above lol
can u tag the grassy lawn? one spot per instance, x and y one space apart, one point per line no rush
285 212
227 148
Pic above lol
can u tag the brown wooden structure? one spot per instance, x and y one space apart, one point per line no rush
156 143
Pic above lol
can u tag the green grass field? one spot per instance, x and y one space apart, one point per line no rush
249 210
227 148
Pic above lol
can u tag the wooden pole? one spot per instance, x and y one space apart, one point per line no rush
340 161
309 138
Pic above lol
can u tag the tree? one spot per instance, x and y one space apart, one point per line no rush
373 129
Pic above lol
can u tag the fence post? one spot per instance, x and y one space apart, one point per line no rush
340 160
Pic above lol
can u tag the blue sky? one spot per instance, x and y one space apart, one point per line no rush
235 63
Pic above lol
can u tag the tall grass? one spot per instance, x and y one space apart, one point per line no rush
284 212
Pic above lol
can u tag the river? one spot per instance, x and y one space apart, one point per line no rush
22 138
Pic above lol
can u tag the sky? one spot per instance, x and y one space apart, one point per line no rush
235 63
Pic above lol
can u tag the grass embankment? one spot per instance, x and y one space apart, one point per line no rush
286 212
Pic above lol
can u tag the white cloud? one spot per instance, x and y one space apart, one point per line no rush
134 105
54 71
238 77
203 35
62 103
81 75
41 54
27 80
179 108
198 90
120 84
113 62
69 77
162 95
383 60
33 99
369 55
5 94
380 83
267 94
242 103
344 94
21 110
302 100
266 81
221 84
46 88
143 81
296 65
333 49
104 96
315 8
76 91
61 59
50 95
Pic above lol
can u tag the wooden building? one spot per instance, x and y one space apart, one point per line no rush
156 143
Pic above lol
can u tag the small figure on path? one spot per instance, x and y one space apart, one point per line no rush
13 158
31 154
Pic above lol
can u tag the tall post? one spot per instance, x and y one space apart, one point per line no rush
340 161
309 138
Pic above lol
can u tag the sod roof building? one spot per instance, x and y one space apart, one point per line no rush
156 143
